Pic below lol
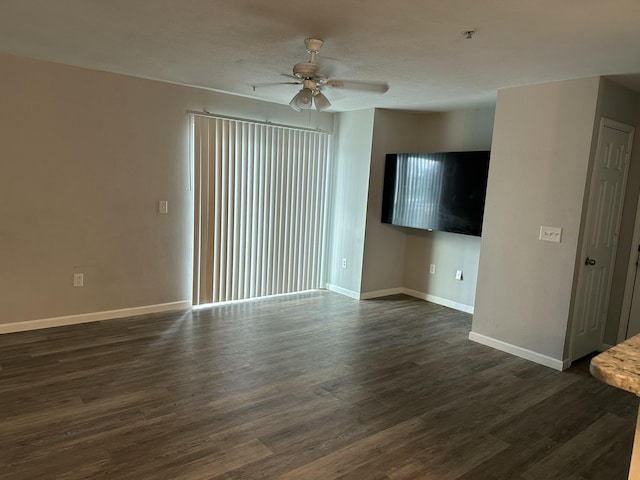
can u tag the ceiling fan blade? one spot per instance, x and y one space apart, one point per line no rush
272 84
373 87
291 76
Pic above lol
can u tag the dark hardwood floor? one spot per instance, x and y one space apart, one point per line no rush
311 386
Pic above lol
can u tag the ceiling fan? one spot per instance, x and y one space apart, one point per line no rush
313 81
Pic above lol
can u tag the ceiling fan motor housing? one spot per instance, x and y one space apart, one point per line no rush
305 69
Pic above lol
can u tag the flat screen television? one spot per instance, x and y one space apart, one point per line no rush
442 191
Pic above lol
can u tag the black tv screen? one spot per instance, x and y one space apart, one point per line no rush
443 191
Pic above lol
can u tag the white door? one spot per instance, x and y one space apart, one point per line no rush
601 237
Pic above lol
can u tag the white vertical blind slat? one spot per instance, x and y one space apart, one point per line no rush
302 236
323 187
226 225
265 208
234 245
197 238
283 227
255 204
291 213
245 212
309 213
273 259
219 208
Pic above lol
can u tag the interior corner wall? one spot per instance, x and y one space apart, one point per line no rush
384 247
348 201
537 176
618 103
399 258
85 158
457 130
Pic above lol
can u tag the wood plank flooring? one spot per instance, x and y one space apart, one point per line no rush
310 386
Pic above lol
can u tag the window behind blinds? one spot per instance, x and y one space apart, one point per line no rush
260 193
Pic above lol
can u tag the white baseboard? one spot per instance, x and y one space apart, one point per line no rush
381 293
414 293
520 352
91 317
343 291
439 300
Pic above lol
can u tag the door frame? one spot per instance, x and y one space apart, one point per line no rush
623 127
631 277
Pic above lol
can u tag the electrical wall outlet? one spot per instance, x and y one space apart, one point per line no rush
432 269
78 279
344 263
163 206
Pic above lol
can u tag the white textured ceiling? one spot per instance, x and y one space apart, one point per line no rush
414 45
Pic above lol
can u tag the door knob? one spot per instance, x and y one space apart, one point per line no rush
590 261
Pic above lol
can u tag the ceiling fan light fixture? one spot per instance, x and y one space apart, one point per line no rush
303 100
294 105
322 102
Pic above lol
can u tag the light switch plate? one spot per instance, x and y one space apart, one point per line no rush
550 234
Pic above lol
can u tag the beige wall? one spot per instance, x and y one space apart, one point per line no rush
384 248
400 257
458 130
537 176
85 156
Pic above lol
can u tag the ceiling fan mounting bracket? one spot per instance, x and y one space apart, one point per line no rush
313 45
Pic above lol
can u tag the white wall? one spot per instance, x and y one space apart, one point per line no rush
347 211
537 176
84 158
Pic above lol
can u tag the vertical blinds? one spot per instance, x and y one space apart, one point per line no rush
260 215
